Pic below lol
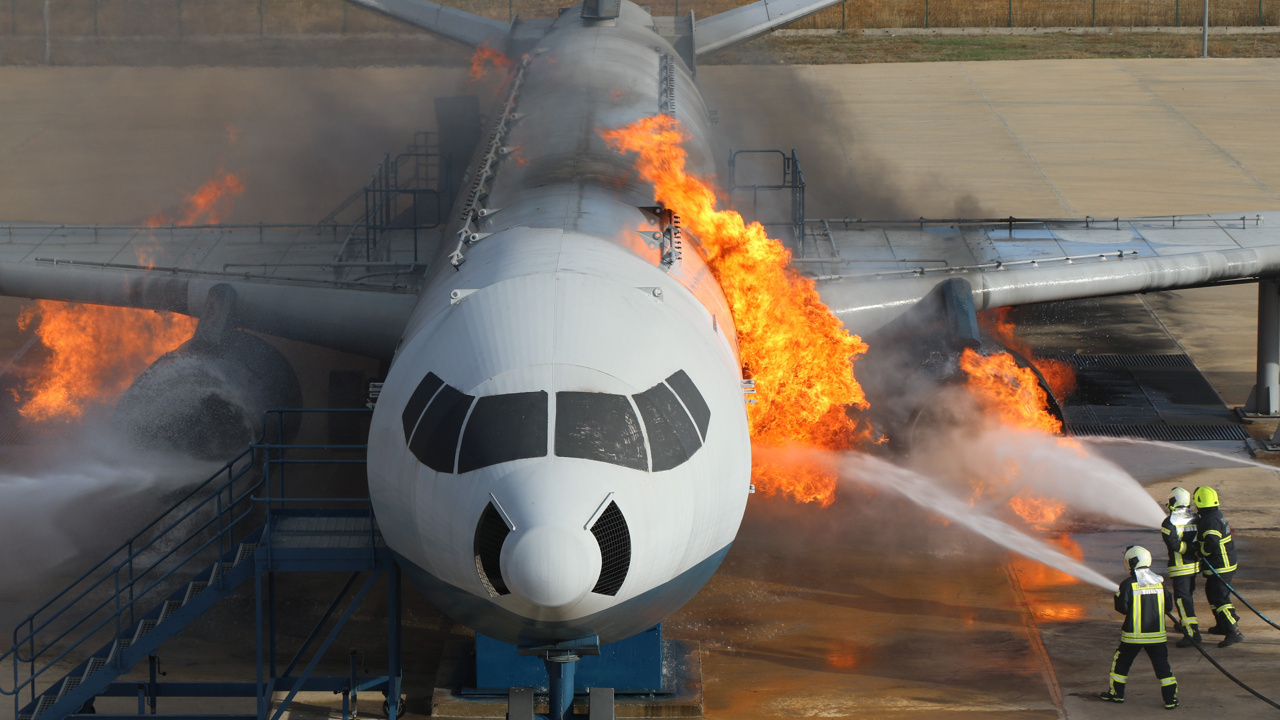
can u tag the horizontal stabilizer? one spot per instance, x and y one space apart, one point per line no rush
742 24
450 22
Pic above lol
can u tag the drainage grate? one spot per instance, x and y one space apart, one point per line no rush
1126 361
1173 433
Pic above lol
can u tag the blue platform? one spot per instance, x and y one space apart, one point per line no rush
632 667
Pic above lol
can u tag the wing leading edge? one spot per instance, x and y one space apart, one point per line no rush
1040 261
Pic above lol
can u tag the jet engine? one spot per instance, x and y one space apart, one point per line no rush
206 398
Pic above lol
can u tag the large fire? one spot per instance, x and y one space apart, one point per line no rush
1060 376
799 354
1010 393
95 352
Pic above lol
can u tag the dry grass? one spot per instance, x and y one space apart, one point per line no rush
172 18
938 48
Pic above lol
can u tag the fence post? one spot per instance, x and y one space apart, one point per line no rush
1204 49
48 43
926 14
1176 8
1093 18
1010 13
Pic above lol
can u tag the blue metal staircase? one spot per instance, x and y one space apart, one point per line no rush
238 525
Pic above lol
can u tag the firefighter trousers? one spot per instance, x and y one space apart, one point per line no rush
1219 596
1159 654
1184 591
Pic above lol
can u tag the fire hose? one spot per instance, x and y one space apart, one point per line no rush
1199 646
1238 595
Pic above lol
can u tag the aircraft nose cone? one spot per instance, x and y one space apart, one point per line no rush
551 566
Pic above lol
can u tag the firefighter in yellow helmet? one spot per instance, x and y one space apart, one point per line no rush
1142 600
1179 531
1217 550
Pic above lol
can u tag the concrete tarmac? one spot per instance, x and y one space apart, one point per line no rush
868 608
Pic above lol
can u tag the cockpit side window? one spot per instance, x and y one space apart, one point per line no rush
418 402
504 428
693 400
672 435
435 441
599 426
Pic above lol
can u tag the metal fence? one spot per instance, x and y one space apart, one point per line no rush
67 19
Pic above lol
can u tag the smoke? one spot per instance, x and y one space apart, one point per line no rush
845 174
932 495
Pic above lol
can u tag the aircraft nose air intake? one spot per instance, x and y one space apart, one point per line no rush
551 566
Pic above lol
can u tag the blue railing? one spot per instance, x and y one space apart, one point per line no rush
189 536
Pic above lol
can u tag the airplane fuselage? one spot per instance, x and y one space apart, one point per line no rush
560 449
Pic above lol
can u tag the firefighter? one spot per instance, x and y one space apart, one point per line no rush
1142 600
1179 530
1217 551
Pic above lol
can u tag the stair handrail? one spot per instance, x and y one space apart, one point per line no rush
233 470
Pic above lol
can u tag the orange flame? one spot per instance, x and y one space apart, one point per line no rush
798 352
1012 393
96 352
207 205
1060 376
1040 513
486 55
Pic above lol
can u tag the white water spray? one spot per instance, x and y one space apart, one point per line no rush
1175 447
928 494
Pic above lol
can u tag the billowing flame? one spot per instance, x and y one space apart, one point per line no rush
797 351
1040 513
207 205
486 57
1011 393
1060 376
96 352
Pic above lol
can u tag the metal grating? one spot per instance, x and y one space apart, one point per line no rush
1172 433
615 550
1126 361
491 533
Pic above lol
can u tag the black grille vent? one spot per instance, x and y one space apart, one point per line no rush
1125 361
1169 433
490 534
615 550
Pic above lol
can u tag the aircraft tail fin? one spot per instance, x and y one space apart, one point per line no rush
452 23
749 21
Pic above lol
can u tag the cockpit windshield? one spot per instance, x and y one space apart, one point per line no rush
658 429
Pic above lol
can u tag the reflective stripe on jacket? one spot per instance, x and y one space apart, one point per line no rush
1214 537
1143 608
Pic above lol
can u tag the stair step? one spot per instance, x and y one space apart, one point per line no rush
226 566
95 664
170 607
245 552
194 588
24 716
144 627
215 572
68 685
46 701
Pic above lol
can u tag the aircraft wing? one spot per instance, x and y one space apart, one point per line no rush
460 25
288 281
744 23
870 274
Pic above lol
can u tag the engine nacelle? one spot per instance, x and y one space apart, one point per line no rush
206 399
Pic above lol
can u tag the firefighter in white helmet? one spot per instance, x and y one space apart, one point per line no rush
1142 600
1179 530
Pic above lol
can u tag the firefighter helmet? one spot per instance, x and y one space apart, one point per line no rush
1206 497
1179 498
1136 556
